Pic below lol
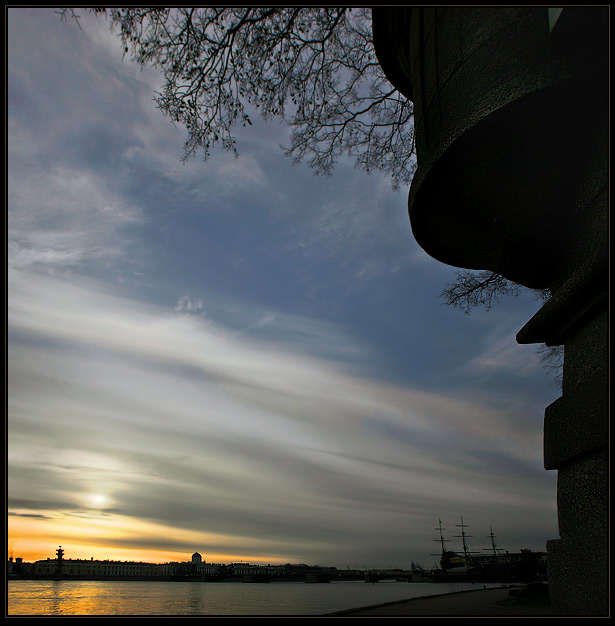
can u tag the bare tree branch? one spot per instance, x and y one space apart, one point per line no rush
485 289
313 67
552 361
482 289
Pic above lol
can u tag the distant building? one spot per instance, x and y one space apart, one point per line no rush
523 566
16 568
195 569
83 568
507 557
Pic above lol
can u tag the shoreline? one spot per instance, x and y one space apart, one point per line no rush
498 602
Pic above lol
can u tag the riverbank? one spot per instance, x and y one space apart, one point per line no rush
501 602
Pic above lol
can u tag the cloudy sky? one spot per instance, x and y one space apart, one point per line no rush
238 357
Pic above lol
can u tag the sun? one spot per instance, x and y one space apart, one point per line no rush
97 500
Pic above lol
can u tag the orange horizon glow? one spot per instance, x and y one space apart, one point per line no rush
77 552
38 538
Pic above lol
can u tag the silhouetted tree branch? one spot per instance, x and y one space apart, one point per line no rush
313 67
482 289
552 361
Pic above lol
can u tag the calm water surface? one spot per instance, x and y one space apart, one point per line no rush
48 597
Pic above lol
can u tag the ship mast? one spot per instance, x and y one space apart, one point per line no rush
463 539
493 544
442 540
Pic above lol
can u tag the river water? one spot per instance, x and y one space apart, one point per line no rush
135 598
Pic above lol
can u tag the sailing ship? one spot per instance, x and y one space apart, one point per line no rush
495 566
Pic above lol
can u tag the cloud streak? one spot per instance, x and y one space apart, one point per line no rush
260 439
235 356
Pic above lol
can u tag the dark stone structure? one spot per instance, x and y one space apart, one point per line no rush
511 124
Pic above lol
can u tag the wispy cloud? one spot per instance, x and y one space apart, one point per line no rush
227 426
235 355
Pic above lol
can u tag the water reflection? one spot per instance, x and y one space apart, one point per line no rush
195 599
139 598
55 599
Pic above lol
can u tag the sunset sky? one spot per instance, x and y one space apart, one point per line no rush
235 356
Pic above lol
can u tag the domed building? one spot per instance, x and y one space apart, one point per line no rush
197 558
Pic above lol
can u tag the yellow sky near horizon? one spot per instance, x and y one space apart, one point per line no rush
84 537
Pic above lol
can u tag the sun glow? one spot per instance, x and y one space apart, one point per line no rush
97 500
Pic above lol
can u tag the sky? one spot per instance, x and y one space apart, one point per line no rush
238 357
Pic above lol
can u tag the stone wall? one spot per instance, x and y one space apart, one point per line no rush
511 122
